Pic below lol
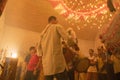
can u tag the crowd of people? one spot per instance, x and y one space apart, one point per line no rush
104 65
51 58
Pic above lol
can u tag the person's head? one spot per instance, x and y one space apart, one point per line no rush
91 52
101 51
32 50
52 19
69 31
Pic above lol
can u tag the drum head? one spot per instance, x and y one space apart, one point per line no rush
82 65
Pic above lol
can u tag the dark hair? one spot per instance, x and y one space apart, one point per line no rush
51 18
31 48
91 50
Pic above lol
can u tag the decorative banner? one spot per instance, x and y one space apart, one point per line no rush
2 6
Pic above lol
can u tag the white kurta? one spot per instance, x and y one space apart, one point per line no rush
52 56
92 68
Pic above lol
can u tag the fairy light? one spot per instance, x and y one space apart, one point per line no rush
110 15
99 27
78 27
93 12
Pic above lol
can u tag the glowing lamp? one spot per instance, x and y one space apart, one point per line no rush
14 55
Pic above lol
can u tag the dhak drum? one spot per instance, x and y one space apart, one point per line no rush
79 64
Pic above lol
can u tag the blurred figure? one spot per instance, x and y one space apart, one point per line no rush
33 70
50 48
72 35
115 58
75 50
92 70
18 71
102 60
109 66
26 61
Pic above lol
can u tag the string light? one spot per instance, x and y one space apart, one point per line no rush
80 12
99 27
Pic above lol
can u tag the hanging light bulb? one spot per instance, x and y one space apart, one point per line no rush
110 15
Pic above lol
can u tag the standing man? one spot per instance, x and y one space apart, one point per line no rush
50 49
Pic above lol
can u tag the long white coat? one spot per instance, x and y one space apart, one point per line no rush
50 48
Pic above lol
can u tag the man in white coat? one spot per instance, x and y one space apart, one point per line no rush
50 48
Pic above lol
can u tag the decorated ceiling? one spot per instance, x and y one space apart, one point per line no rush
86 17
89 13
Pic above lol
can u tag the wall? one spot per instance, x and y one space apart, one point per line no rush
85 45
98 43
1 25
18 40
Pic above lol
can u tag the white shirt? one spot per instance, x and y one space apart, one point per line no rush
52 55
92 68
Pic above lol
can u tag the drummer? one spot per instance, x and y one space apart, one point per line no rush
75 49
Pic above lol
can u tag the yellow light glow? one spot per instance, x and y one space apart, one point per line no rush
90 12
14 55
